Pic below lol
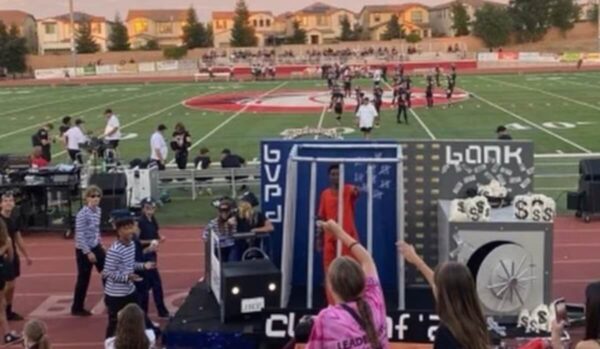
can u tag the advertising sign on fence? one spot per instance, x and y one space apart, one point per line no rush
106 69
592 57
487 56
127 68
166 65
146 67
570 57
508 56
54 73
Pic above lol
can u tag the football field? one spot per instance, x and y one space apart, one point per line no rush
559 112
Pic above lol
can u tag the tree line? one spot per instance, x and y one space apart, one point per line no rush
525 20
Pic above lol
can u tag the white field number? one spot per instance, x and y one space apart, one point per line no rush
253 305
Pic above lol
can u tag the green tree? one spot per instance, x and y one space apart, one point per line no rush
3 52
119 37
393 29
592 15
358 33
346 30
84 41
493 25
209 37
530 18
298 34
460 19
564 14
176 52
151 45
413 38
242 34
13 50
194 34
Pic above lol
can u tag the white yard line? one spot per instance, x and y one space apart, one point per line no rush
533 124
565 155
232 117
46 104
431 135
321 119
544 92
419 120
74 114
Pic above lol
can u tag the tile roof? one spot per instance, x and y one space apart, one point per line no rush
78 17
9 17
391 8
231 14
158 15
474 3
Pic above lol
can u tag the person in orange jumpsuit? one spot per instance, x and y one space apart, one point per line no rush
328 209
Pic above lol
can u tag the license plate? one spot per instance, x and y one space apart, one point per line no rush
253 305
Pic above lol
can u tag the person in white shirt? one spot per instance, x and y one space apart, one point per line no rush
377 76
365 117
112 131
158 147
75 137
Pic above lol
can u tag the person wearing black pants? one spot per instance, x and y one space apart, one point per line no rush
150 239
180 145
89 252
402 107
119 273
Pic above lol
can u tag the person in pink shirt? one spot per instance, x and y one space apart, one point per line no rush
357 319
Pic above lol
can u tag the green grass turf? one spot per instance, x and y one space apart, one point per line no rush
530 100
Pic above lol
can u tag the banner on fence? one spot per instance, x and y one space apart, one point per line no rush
487 56
593 57
146 67
106 69
127 68
570 56
59 73
167 65
88 70
508 56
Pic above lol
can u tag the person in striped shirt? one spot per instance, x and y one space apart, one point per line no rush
89 252
119 272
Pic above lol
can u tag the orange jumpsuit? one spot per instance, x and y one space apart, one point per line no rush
328 209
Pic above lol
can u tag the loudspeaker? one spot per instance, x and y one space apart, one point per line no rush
248 287
107 205
109 183
589 169
574 200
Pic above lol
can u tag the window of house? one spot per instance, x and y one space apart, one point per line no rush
221 24
140 26
261 23
416 16
165 27
377 18
304 21
96 28
341 19
322 21
255 22
268 21
50 28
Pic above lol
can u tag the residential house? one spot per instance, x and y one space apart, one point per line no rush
163 26
413 17
322 22
54 33
441 16
587 10
263 22
26 25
